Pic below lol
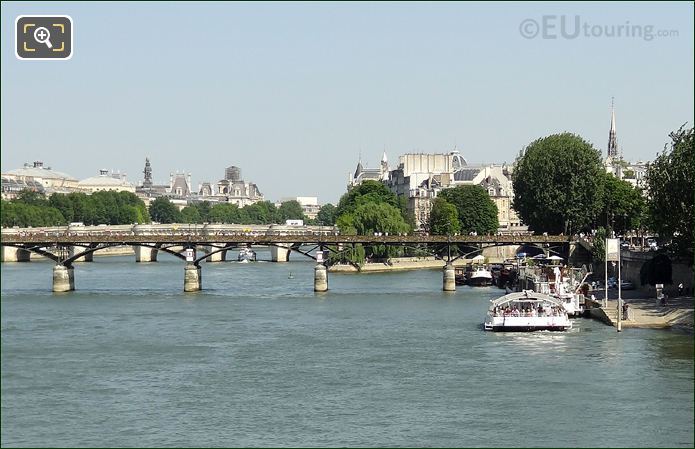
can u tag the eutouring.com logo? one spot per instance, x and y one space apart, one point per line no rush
574 27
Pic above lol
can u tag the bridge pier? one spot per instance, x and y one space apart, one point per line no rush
63 278
78 249
449 281
217 257
280 253
12 254
192 278
145 254
320 278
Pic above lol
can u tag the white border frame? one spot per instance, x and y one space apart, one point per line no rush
72 40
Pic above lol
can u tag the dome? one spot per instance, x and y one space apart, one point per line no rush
38 171
105 182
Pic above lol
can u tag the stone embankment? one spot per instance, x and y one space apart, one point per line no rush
396 264
645 312
125 250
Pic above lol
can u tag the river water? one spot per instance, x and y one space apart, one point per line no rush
259 359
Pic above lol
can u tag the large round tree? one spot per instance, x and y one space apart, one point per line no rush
558 184
444 218
476 210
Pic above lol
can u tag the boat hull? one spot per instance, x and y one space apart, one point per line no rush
527 328
480 281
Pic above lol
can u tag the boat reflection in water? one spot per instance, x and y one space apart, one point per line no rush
527 311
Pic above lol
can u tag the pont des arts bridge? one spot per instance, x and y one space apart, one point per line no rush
193 244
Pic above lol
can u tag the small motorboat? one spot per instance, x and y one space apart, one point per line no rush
480 277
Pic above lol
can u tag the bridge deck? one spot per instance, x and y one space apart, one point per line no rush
191 238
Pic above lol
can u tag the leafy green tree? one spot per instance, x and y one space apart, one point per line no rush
164 211
598 247
368 192
670 180
190 214
225 213
476 210
624 207
290 210
31 198
326 215
378 217
558 184
263 212
444 218
203 210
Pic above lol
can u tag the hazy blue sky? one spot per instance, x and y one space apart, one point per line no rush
292 92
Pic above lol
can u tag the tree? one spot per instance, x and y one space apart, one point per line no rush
31 198
326 215
378 217
263 212
225 213
670 180
623 205
190 214
476 210
444 218
369 191
290 210
163 211
558 184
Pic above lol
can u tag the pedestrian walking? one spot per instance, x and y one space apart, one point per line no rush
680 289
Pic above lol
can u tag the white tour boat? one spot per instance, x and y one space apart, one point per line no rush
246 255
525 312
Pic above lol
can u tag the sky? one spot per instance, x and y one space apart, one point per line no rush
293 93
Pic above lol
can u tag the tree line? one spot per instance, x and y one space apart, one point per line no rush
264 212
561 186
31 208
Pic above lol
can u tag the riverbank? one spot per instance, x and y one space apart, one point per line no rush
397 264
645 312
124 250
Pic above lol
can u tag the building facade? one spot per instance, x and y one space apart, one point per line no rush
231 189
420 177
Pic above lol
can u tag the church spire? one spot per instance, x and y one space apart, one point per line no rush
612 139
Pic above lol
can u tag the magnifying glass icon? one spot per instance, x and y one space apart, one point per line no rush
42 36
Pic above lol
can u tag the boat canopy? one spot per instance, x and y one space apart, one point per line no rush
526 296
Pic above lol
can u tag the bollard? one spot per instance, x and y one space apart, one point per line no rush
320 278
449 278
192 278
63 278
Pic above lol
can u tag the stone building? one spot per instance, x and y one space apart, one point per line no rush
420 177
363 174
231 189
35 174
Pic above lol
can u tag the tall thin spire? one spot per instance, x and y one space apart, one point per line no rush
612 139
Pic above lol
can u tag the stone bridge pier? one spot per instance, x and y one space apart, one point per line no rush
449 281
280 253
320 278
192 278
63 278
12 254
217 257
78 249
145 253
